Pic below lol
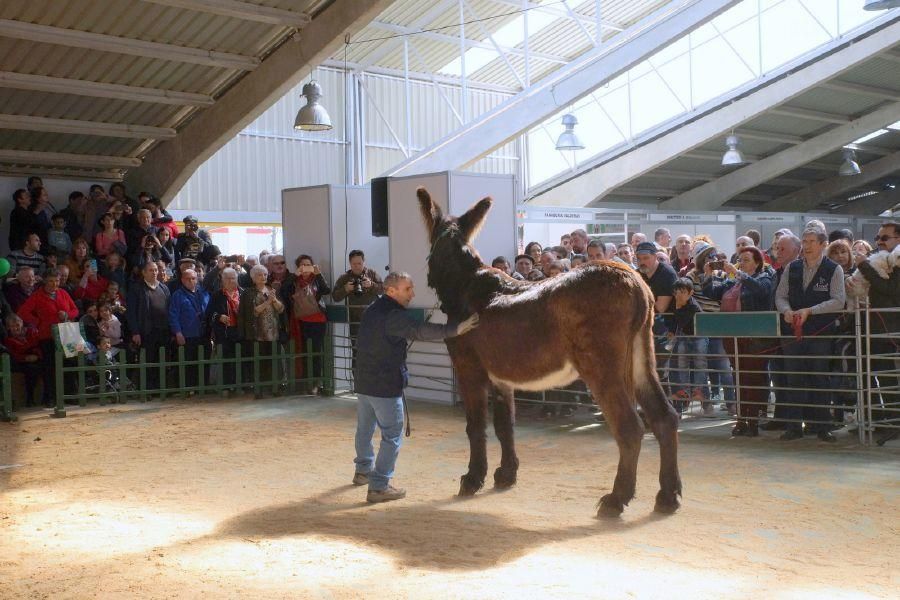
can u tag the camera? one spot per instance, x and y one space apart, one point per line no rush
717 265
358 286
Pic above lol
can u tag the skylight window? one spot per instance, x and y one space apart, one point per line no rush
509 36
894 126
872 135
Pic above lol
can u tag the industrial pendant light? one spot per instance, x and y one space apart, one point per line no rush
849 167
313 116
733 155
881 4
567 139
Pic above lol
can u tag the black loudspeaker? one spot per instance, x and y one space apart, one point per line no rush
380 206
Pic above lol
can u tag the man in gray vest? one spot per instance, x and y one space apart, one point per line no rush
809 292
381 375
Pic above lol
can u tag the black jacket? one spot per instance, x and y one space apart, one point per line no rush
883 293
138 315
381 346
218 306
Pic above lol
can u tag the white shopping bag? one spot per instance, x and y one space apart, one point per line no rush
70 338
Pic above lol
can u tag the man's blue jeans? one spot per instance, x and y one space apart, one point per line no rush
387 413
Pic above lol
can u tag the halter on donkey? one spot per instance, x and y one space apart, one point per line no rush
593 322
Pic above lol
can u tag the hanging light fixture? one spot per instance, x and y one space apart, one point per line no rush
849 167
567 139
313 116
881 4
733 155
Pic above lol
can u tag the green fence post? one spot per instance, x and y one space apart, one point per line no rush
182 384
6 411
121 393
239 365
292 366
201 369
257 390
142 373
277 358
163 373
99 369
60 410
309 381
82 393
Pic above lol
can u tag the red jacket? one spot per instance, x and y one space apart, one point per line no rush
21 347
93 290
42 311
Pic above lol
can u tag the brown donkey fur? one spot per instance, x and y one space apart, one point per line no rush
593 322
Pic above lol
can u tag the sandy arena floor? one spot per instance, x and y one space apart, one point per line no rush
251 499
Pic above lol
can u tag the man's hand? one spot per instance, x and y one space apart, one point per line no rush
467 325
348 287
366 283
802 314
789 315
224 319
179 339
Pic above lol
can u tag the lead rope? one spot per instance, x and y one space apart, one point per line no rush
403 393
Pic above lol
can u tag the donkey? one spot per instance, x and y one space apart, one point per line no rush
593 322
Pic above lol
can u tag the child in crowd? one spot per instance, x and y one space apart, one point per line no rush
114 268
25 350
556 268
577 260
690 351
59 241
89 323
113 297
110 327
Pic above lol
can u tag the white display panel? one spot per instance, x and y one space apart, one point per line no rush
306 219
498 234
355 233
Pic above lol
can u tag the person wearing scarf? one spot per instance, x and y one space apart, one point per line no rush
302 297
222 319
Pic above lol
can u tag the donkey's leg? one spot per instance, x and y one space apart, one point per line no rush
473 388
663 420
605 376
504 423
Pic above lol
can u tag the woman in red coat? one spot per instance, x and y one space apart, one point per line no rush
46 307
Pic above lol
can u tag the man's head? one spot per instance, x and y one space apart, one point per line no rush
841 234
357 262
117 190
32 243
682 290
150 272
278 265
63 271
787 248
596 250
15 325
663 237
663 257
812 244
626 253
77 201
144 218
51 281
189 279
579 241
22 198
25 277
190 225
501 263
647 262
743 242
524 264
683 247
610 250
252 260
754 235
547 257
637 238
814 224
399 286
565 240
888 236
33 182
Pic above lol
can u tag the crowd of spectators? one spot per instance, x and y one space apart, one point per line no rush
120 267
805 278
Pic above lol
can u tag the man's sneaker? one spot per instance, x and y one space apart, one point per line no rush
360 478
386 495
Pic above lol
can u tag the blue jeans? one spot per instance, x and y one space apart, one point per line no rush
691 359
721 373
387 413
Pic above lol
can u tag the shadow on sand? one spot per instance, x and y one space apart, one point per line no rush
433 535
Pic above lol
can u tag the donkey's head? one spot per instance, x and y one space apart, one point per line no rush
452 259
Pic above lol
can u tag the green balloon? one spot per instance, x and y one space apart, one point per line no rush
4 267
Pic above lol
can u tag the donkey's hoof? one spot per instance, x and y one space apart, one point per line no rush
469 485
666 502
504 478
610 507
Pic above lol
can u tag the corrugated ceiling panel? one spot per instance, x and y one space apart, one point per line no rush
835 101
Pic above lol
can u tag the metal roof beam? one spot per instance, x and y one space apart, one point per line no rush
862 90
712 195
568 84
168 165
389 46
685 135
810 197
241 10
65 159
64 173
871 205
72 38
75 127
418 76
769 136
811 115
454 41
93 89
561 13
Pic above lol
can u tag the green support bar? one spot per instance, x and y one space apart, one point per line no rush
60 410
6 407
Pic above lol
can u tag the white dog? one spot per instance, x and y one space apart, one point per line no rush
883 262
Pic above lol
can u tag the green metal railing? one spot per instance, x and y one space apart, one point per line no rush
6 400
82 382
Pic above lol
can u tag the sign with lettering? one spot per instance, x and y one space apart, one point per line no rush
680 218
768 219
556 214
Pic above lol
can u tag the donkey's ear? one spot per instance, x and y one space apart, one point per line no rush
471 222
431 212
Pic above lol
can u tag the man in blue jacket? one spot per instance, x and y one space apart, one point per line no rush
381 375
187 308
